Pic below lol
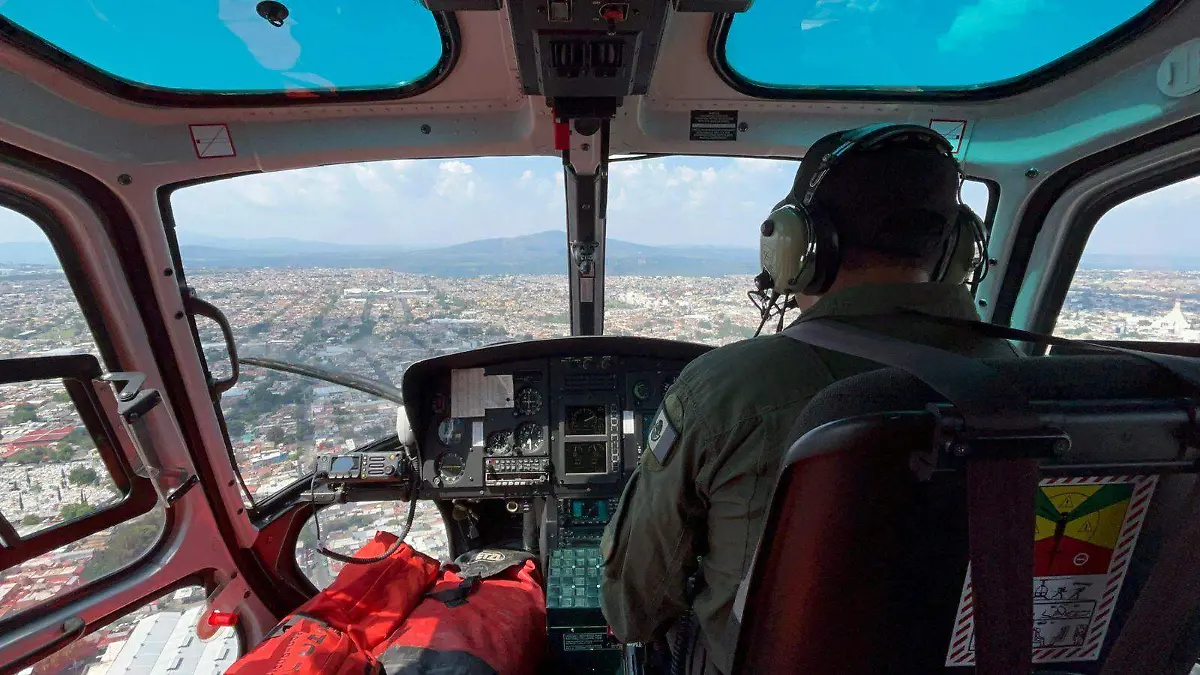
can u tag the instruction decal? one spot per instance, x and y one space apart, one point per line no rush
953 130
212 140
1085 533
713 125
472 392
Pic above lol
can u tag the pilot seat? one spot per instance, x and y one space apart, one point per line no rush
1076 497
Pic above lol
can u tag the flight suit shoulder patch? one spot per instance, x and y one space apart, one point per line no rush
663 434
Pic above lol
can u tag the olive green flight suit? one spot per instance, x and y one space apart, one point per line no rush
726 420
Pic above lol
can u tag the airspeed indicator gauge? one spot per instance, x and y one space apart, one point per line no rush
500 443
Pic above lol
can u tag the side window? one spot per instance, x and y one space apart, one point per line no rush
977 195
1139 278
159 637
72 508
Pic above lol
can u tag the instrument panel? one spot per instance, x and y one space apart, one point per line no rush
565 417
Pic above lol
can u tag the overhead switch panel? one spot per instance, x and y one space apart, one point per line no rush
587 48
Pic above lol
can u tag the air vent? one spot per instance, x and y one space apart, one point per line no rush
568 58
576 58
606 58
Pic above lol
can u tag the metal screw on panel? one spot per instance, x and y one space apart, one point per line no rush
168 272
1031 172
426 129
960 449
124 179
743 126
585 147
993 261
982 302
178 315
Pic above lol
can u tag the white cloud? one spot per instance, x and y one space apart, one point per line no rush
456 166
976 23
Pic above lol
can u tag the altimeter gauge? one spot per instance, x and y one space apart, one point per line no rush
530 439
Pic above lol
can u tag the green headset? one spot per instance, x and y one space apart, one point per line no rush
798 246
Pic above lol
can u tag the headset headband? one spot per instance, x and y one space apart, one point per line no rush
871 138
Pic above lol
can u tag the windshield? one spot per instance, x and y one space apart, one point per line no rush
233 47
683 244
365 269
955 44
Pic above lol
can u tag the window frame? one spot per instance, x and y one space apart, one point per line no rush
42 50
1151 16
80 371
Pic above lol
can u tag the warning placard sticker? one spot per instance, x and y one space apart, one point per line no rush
953 130
472 392
212 140
1086 530
713 125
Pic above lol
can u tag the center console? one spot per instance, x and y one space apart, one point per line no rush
562 423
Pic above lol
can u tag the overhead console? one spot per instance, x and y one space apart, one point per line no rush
594 48
564 418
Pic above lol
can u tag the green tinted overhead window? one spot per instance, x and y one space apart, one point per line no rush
228 47
933 44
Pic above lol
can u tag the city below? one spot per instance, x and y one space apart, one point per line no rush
374 323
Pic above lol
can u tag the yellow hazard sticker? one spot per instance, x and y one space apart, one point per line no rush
1084 535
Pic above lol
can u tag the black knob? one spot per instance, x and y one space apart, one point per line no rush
768 228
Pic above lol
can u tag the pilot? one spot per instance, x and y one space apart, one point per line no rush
694 509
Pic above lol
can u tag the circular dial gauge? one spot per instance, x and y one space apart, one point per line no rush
586 421
528 401
450 431
500 443
641 390
529 438
450 467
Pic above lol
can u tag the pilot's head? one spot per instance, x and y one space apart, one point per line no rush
878 203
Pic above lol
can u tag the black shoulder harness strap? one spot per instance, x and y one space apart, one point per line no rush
1001 490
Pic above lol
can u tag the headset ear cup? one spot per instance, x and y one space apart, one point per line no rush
966 254
827 257
786 248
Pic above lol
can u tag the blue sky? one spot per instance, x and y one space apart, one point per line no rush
224 45
924 43
675 200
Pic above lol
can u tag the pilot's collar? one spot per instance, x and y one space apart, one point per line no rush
941 299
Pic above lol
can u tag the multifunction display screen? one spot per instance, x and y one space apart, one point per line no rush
589 511
342 465
585 457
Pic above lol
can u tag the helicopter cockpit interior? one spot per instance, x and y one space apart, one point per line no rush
277 274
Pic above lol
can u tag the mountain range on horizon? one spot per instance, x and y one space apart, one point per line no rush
539 253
